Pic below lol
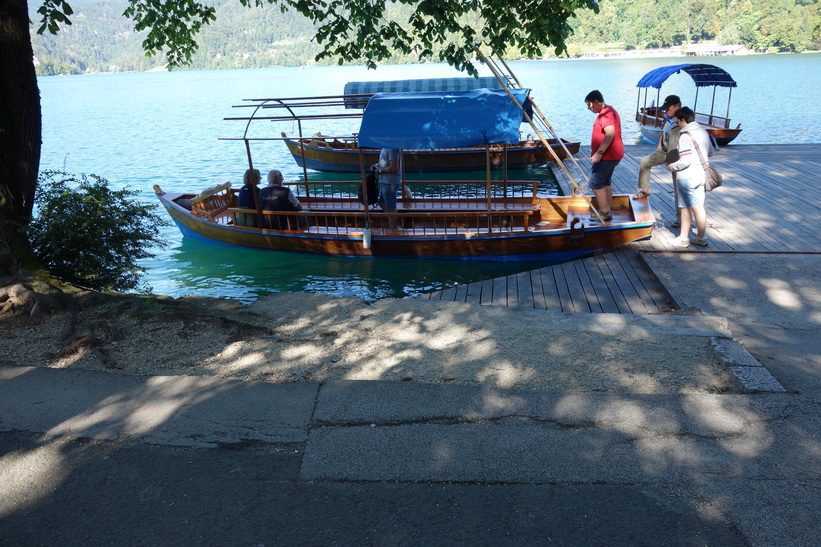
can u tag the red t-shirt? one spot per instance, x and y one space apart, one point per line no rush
607 116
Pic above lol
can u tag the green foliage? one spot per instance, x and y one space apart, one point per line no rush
444 30
784 25
322 31
87 234
171 26
229 34
53 13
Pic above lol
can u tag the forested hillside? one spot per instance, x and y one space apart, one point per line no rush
102 40
768 25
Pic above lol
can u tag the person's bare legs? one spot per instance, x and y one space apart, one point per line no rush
701 220
392 221
686 219
675 200
604 199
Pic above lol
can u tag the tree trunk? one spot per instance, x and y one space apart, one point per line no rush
20 130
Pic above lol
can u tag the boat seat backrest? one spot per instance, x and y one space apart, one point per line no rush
214 204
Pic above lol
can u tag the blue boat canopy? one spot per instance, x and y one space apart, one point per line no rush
425 120
702 75
425 84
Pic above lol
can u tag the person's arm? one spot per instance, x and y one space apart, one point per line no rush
661 137
292 199
685 154
392 167
609 135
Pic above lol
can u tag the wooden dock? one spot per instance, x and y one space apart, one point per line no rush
755 211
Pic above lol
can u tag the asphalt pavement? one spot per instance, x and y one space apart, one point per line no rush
92 458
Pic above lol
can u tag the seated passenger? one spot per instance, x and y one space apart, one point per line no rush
276 197
246 198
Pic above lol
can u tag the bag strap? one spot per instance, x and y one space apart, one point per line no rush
704 164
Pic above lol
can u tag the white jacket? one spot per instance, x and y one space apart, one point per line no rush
688 166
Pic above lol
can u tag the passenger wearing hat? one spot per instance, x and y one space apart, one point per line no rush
666 152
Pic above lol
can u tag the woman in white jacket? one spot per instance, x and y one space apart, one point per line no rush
690 178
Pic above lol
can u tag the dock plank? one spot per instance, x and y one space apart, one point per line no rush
620 299
555 287
578 300
524 290
756 210
486 292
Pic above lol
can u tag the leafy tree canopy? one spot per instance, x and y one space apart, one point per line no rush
102 40
371 30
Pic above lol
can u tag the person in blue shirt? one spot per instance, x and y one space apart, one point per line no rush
389 170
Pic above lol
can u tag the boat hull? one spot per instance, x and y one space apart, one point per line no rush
722 137
651 123
526 245
322 156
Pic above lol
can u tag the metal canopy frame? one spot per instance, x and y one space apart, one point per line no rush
703 75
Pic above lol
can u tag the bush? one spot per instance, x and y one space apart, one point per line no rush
90 235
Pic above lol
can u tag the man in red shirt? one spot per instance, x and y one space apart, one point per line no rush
606 150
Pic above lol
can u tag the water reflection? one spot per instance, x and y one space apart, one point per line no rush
191 267
202 269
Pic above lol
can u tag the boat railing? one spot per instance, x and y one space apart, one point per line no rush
350 223
422 189
713 121
647 117
462 189
650 117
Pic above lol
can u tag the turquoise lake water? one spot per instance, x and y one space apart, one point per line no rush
162 128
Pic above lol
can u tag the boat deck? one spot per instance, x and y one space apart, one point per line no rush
448 216
757 210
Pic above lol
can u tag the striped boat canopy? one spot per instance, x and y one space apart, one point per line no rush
425 120
427 84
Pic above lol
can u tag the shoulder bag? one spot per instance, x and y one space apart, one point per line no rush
712 178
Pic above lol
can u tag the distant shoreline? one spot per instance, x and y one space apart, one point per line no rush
588 56
707 51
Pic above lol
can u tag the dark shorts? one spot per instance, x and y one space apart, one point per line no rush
602 173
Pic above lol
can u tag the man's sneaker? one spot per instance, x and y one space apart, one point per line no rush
700 241
679 243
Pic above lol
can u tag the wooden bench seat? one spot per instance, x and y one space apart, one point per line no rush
211 207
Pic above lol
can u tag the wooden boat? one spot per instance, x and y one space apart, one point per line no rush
485 220
341 155
520 226
651 118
